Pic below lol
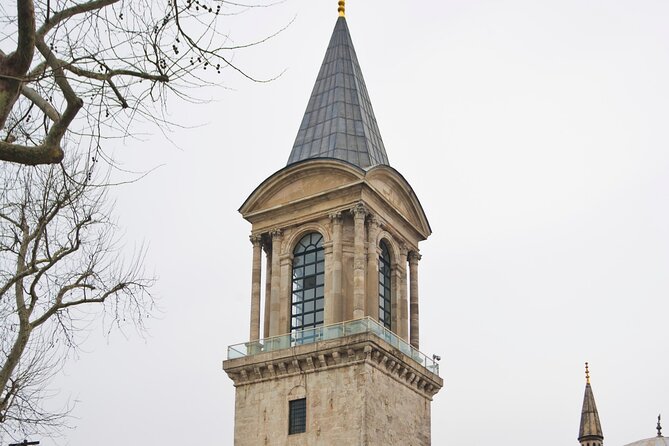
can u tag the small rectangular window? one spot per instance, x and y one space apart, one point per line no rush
298 416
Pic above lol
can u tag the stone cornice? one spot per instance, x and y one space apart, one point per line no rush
364 348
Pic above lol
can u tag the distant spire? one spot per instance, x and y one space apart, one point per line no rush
590 431
342 8
659 425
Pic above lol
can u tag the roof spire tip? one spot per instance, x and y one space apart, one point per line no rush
342 8
587 373
659 425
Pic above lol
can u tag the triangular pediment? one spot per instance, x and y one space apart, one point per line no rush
399 195
320 186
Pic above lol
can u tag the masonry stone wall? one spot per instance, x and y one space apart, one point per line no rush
356 404
395 414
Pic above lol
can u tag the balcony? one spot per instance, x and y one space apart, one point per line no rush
329 332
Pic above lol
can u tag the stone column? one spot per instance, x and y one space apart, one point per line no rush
275 294
286 262
359 214
396 278
403 329
254 330
414 334
268 287
333 306
373 250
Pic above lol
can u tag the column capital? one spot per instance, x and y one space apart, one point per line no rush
336 217
414 257
404 250
276 234
360 210
256 240
375 222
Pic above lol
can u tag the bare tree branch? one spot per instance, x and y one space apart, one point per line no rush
42 103
91 60
60 258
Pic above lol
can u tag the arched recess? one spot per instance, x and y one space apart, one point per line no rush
395 275
292 240
297 392
393 245
307 302
292 236
384 304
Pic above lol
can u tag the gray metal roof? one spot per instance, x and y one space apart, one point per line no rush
339 121
590 428
655 441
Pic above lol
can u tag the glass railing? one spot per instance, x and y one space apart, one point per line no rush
334 331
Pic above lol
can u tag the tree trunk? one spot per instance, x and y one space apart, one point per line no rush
12 362
14 66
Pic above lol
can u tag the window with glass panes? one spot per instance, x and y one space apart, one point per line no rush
308 283
297 416
384 286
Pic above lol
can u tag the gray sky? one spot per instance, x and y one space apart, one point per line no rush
534 134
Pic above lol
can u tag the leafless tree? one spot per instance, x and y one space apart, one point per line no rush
88 68
60 266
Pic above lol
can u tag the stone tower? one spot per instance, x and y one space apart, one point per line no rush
590 432
338 361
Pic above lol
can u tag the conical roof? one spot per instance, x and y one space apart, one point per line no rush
591 428
339 121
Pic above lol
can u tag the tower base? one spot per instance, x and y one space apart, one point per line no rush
358 390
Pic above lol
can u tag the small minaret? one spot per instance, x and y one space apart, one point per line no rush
590 432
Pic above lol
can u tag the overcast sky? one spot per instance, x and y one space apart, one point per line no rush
535 135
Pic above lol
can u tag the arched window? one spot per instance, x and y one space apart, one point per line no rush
308 283
385 288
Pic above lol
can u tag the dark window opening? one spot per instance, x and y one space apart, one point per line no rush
385 289
297 422
307 309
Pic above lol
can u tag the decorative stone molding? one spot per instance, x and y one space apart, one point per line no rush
381 222
336 217
360 210
293 235
286 258
321 356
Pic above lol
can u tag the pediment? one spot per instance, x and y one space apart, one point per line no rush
397 192
299 181
312 185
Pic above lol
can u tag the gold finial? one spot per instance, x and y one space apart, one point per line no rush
587 373
342 8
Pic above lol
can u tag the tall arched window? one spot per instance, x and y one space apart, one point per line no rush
308 283
385 288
